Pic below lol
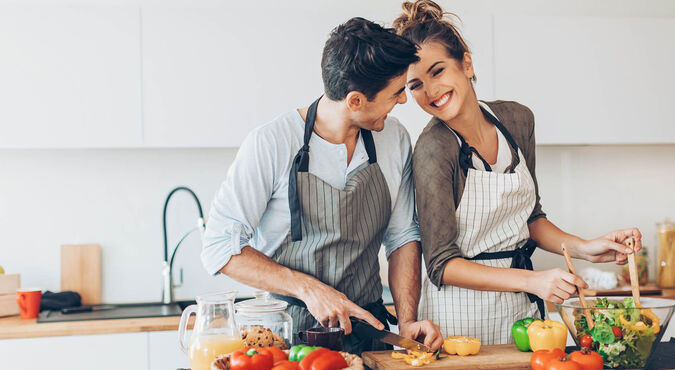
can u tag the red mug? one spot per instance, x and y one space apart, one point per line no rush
29 302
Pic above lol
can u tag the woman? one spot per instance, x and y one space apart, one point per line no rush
478 203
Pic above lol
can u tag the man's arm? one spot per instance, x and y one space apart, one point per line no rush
330 307
404 280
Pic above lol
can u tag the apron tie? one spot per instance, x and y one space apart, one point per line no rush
520 259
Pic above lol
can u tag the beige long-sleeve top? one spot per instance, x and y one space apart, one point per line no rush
439 182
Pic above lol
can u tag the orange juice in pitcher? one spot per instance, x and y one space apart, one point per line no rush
215 331
205 348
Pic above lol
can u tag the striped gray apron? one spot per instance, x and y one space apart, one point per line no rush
492 230
336 235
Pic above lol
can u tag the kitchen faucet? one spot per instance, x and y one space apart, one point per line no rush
167 272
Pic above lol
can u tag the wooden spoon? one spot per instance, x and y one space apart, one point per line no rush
632 269
582 300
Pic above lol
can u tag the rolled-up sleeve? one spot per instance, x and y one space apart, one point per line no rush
240 202
434 171
402 227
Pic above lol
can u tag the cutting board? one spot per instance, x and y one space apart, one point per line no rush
500 356
81 271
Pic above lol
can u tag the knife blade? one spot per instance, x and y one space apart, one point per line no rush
69 310
362 328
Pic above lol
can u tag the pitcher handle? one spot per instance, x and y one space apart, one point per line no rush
182 327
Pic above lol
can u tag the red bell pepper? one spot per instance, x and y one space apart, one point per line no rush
286 365
306 363
329 361
251 359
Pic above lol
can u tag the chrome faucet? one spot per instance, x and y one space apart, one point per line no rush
167 266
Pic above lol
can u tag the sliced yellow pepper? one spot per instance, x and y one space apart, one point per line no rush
641 326
462 346
415 358
547 334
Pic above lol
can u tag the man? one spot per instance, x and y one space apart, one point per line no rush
309 231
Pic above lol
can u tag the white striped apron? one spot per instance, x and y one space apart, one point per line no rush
336 235
491 217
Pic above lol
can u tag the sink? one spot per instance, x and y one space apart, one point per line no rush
122 311
118 311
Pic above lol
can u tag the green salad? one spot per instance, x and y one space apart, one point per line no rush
622 334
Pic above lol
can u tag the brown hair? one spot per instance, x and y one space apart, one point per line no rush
424 21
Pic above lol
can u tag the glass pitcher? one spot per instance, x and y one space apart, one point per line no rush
215 331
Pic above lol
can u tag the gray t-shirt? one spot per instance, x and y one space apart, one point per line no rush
439 181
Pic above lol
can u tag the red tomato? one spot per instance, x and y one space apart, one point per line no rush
587 360
540 359
617 331
562 364
586 341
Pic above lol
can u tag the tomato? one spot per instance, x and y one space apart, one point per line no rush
540 358
587 360
617 331
562 364
586 341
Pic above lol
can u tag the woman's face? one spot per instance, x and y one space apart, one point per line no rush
440 84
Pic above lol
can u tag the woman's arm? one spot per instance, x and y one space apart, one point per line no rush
606 248
554 285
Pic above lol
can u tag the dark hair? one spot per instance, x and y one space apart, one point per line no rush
363 56
424 21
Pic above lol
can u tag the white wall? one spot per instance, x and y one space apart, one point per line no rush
115 196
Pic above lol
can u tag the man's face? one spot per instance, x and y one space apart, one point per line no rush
373 113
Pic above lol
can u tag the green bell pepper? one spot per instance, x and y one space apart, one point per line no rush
519 331
297 353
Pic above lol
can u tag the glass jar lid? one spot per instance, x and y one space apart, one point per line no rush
262 303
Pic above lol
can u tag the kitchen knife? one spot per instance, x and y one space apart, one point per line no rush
69 310
362 328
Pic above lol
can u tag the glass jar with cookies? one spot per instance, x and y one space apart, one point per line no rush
263 322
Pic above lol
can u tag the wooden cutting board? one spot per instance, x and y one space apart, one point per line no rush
500 356
81 271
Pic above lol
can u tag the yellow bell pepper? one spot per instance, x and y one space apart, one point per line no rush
641 326
462 346
547 334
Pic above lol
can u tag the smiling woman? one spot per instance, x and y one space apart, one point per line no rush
478 202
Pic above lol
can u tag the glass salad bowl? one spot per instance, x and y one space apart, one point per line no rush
625 336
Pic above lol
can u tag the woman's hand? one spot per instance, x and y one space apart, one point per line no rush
554 285
609 248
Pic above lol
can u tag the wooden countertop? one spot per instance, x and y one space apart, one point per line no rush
14 327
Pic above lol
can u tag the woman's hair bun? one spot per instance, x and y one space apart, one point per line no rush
417 12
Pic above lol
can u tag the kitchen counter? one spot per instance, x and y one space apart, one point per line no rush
14 327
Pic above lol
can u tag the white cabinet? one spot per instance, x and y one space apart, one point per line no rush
590 80
82 352
163 351
69 76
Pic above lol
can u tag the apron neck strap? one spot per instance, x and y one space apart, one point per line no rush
466 151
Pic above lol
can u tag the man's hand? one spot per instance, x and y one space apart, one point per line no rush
426 331
332 308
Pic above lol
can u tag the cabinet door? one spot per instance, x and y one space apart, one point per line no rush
589 79
81 352
163 351
69 76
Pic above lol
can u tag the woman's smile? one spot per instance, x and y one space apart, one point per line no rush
443 101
